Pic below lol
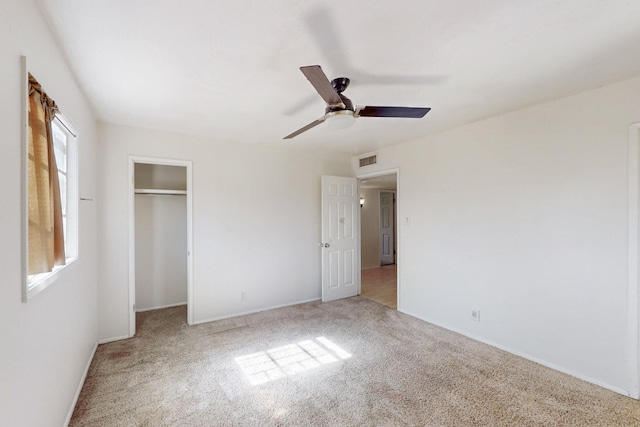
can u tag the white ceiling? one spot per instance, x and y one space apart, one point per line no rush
229 69
384 182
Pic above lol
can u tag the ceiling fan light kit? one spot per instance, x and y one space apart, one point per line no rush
338 120
340 113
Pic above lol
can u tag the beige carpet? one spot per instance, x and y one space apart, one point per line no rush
346 363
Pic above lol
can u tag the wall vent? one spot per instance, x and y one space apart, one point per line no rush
370 160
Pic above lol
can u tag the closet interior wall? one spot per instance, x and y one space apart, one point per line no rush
160 236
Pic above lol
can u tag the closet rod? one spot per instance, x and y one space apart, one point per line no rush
155 192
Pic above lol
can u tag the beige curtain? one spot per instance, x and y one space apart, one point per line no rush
46 236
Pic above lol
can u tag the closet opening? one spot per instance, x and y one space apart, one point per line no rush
160 247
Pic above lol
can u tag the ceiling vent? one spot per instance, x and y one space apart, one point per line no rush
369 160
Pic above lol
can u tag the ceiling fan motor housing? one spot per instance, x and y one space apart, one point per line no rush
339 84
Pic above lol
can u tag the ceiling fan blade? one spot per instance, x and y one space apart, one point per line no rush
402 112
321 83
306 128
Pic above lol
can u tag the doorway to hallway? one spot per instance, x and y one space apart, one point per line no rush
378 238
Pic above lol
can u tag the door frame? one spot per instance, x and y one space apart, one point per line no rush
188 164
633 260
392 171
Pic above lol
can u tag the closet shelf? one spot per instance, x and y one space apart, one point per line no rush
152 191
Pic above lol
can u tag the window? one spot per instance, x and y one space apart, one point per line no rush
50 193
65 149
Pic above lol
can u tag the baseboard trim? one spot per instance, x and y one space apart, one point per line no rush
82 380
108 340
527 356
124 337
198 322
161 307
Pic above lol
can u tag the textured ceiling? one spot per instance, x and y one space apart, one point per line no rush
384 182
229 69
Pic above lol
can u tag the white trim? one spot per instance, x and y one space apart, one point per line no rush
358 242
178 304
131 303
244 313
229 316
188 164
72 242
47 279
80 385
392 171
524 355
24 200
66 123
112 339
633 253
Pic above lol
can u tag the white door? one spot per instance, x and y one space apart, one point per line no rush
340 220
387 215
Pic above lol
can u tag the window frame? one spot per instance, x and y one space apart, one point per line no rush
34 284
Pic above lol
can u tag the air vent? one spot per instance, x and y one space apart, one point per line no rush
366 161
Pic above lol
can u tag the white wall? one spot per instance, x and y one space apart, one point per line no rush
161 250
256 222
163 177
46 343
524 217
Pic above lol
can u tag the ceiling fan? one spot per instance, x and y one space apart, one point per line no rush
340 111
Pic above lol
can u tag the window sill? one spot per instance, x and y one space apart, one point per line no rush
38 283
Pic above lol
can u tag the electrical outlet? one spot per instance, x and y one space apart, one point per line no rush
475 315
243 296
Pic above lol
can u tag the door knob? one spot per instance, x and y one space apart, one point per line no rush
324 245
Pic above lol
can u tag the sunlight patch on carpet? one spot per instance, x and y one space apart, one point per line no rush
290 359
